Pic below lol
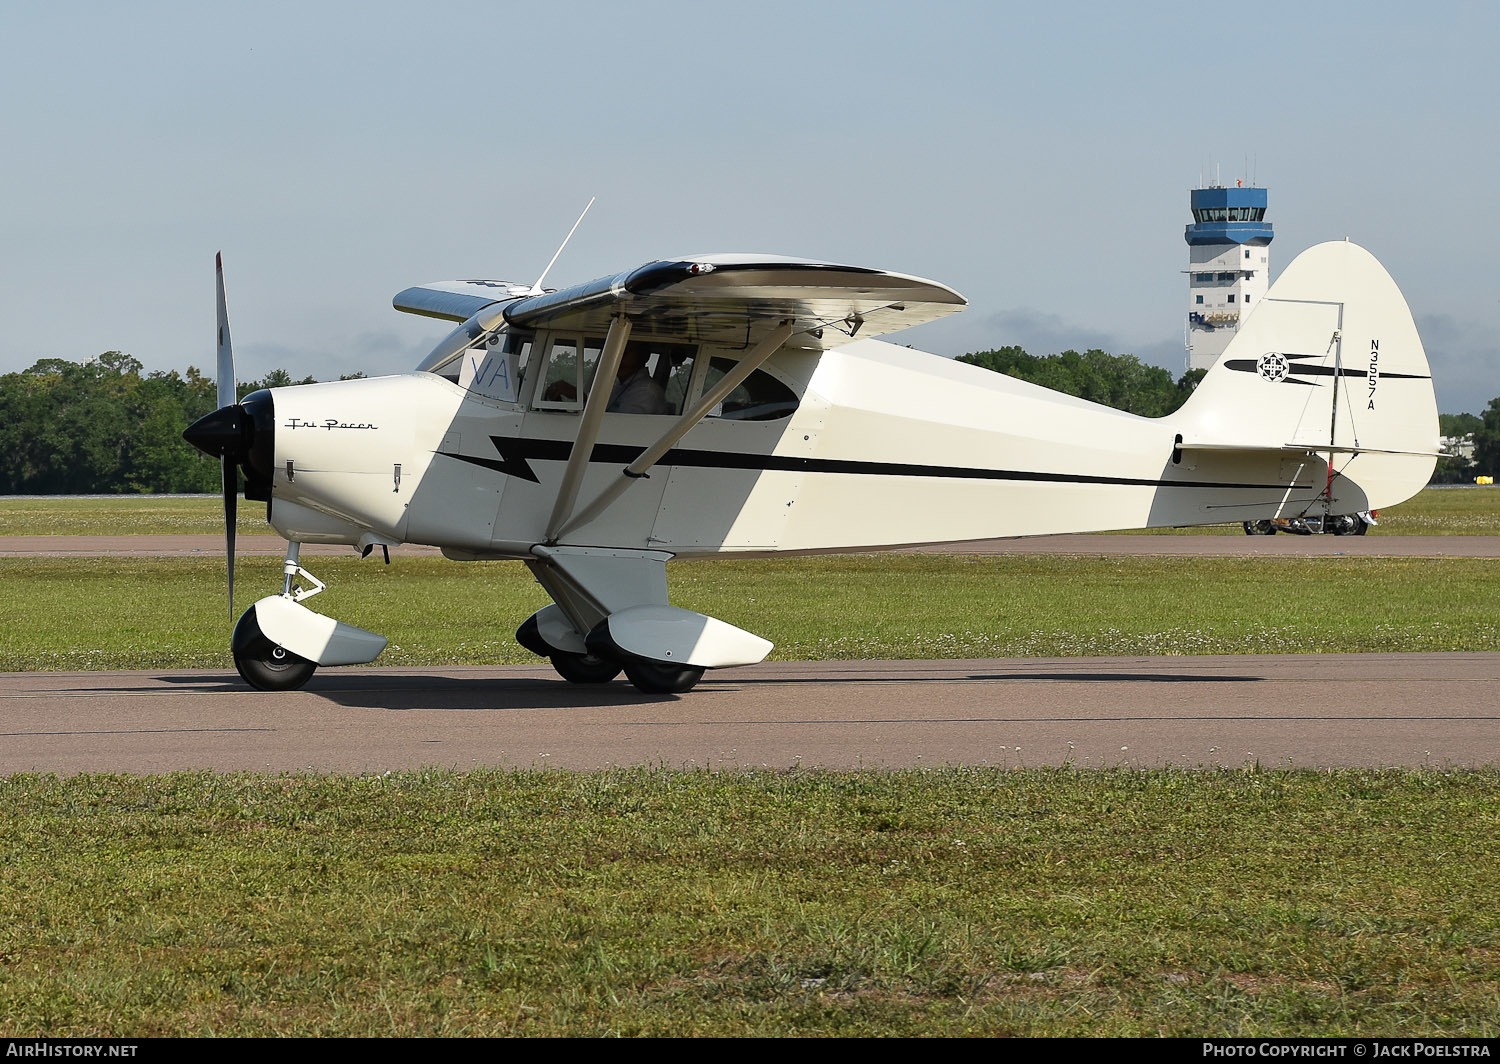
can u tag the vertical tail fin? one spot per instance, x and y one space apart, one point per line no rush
1330 363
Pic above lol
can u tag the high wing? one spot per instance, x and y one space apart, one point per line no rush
732 299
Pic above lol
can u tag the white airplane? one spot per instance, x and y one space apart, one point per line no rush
718 405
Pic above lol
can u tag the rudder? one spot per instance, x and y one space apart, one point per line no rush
1330 363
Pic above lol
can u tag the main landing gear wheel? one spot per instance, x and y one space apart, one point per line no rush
263 664
1346 525
1259 528
583 668
656 679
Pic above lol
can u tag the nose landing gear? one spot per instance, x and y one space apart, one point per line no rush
279 643
264 664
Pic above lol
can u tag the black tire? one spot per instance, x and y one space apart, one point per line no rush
264 665
1259 528
1346 525
1360 527
583 668
657 679
278 670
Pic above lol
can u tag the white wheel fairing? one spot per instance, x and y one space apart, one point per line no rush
317 638
671 636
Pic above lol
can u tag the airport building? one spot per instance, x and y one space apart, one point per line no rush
1228 267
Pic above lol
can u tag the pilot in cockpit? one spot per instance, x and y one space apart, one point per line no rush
635 390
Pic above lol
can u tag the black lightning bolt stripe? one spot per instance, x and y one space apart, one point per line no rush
514 455
517 454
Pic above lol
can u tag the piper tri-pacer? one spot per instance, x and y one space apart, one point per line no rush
735 404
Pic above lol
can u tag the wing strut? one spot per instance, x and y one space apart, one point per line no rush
588 426
653 454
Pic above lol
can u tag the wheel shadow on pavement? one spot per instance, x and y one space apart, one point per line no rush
414 693
408 692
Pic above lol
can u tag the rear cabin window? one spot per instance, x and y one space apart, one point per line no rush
759 397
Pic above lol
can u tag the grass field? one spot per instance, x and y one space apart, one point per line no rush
125 515
1035 902
643 902
1434 512
107 613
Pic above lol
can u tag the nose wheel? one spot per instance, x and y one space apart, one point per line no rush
263 664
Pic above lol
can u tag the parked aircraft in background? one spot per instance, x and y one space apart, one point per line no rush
1315 525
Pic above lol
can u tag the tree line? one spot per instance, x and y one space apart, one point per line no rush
1121 381
102 427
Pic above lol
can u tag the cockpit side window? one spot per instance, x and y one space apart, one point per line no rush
675 371
653 378
561 384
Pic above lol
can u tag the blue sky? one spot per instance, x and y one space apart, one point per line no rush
1035 157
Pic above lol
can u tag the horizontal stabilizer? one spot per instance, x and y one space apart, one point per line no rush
1300 448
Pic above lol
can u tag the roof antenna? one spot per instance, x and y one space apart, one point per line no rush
536 289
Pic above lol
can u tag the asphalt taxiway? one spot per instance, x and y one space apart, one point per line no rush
1439 710
1310 711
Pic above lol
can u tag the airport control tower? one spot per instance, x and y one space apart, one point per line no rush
1228 266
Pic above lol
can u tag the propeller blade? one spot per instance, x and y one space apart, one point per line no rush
230 430
231 504
227 394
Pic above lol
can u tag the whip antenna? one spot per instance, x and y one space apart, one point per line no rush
536 289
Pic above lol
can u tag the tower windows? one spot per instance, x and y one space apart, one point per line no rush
1228 214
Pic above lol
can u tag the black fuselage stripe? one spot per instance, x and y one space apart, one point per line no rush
515 453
